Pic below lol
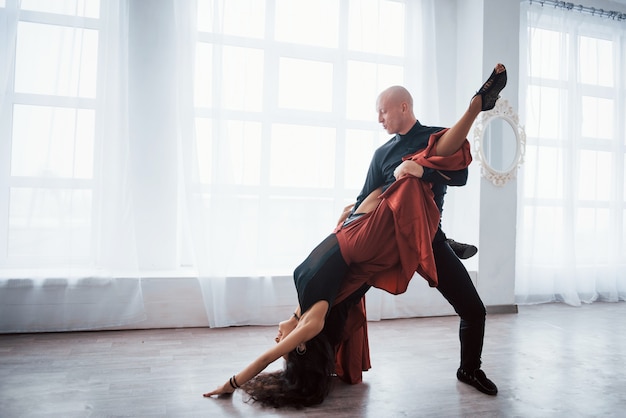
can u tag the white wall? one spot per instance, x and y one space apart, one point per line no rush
498 205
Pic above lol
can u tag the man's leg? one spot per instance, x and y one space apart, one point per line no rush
462 250
456 286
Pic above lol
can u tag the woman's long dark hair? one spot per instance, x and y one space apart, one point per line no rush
304 381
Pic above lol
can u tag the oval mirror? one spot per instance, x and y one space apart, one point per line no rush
499 143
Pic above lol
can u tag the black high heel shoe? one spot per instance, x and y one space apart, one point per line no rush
490 91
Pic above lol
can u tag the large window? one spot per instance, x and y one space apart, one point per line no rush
48 156
116 153
572 197
285 104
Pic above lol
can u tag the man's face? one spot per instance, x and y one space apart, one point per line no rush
389 114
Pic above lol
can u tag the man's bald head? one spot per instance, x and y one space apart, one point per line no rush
397 95
395 110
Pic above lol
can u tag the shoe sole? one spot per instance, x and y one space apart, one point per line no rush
476 384
468 253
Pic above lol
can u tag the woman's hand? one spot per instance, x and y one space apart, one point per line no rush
226 388
345 213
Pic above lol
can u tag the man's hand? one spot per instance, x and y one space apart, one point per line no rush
345 213
408 168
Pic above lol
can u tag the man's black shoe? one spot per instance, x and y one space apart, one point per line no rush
479 380
463 251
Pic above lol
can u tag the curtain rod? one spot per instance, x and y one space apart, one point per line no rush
610 14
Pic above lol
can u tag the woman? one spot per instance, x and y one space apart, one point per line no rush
340 270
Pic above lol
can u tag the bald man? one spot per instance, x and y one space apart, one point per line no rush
395 113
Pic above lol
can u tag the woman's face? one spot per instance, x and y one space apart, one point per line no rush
284 329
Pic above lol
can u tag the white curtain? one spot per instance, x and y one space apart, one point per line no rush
571 227
216 139
68 256
285 127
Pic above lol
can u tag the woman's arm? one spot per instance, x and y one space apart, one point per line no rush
254 368
310 324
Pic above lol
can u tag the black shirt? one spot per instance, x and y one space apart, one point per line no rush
389 156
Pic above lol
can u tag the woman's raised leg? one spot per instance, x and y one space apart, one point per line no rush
485 99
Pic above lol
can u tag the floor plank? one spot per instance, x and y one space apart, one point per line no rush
548 360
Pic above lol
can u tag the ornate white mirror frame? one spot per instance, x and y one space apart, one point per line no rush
512 153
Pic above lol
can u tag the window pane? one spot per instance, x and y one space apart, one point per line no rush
623 247
204 149
85 8
241 237
203 86
596 171
242 79
52 142
360 147
302 156
56 60
543 170
49 222
597 117
624 182
232 17
288 218
305 85
544 229
205 15
239 153
548 53
307 22
376 26
362 92
543 112
596 61
592 229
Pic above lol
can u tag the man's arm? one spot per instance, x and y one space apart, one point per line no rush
449 178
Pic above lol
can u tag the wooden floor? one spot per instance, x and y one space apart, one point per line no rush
548 360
